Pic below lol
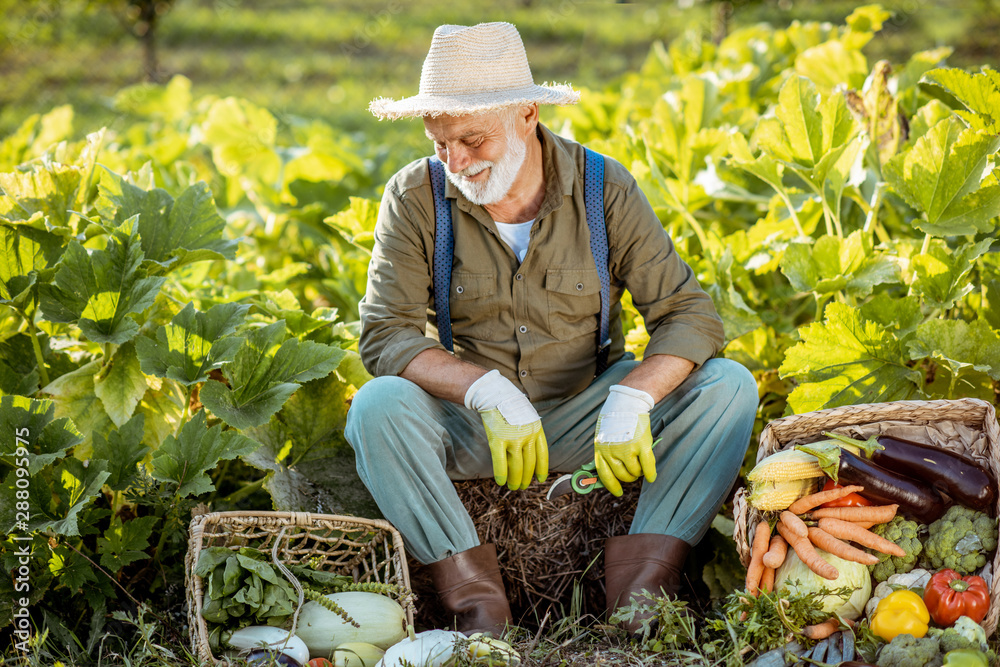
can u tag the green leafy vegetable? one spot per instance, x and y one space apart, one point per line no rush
98 290
264 373
185 459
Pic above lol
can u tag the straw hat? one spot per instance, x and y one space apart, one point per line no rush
473 70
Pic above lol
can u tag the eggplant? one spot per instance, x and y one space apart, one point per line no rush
961 478
915 499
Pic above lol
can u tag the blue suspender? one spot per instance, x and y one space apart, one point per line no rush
444 249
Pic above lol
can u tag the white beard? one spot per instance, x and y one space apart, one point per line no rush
501 178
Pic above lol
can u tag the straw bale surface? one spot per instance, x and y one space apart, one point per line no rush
544 547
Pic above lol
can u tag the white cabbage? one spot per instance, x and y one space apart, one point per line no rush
796 576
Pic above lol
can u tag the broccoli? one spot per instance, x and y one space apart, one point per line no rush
908 651
904 533
965 634
960 540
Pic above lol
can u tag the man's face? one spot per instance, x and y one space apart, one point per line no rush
482 155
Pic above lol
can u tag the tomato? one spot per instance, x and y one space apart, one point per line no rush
319 662
850 500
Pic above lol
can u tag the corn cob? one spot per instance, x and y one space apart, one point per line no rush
789 464
772 496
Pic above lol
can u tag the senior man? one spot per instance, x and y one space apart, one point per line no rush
491 322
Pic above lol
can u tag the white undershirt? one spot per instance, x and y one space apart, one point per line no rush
516 235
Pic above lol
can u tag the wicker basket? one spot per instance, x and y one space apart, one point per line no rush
970 414
367 550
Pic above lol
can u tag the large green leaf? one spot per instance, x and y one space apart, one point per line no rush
833 264
120 384
242 137
169 102
98 290
123 450
832 64
51 192
940 276
944 176
960 345
186 458
57 497
814 137
26 254
980 93
264 373
74 397
32 425
193 344
125 542
308 461
172 232
35 135
847 360
901 315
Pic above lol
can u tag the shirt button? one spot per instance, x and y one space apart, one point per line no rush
459 289
518 277
523 329
579 287
523 374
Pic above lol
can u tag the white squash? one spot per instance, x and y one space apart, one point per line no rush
270 637
431 648
491 651
381 619
357 654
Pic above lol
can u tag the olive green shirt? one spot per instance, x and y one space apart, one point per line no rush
535 321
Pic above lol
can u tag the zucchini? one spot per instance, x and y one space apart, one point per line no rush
380 621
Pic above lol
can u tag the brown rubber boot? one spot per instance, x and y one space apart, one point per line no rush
633 563
471 590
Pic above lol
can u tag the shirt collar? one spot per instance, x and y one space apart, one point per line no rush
558 166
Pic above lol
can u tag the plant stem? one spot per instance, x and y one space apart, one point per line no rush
36 347
696 226
791 212
927 244
876 204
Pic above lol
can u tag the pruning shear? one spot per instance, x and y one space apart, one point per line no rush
583 481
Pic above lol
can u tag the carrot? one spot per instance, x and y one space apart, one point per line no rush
822 630
755 570
806 503
776 551
794 524
876 513
767 579
807 552
831 544
846 530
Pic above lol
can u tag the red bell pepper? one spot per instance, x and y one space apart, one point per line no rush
850 500
949 595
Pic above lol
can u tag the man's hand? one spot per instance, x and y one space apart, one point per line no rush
513 429
623 445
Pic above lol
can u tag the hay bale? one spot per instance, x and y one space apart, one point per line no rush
545 547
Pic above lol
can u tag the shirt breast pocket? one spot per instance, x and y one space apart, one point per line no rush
574 300
473 302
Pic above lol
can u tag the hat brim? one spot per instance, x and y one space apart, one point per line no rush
462 105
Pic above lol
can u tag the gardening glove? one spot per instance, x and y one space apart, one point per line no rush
623 446
513 429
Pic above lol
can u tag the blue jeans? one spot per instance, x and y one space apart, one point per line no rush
410 446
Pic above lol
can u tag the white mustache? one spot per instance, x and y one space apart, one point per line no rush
475 169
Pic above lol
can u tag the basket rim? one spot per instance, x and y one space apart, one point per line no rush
196 532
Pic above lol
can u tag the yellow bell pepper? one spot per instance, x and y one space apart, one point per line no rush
901 613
